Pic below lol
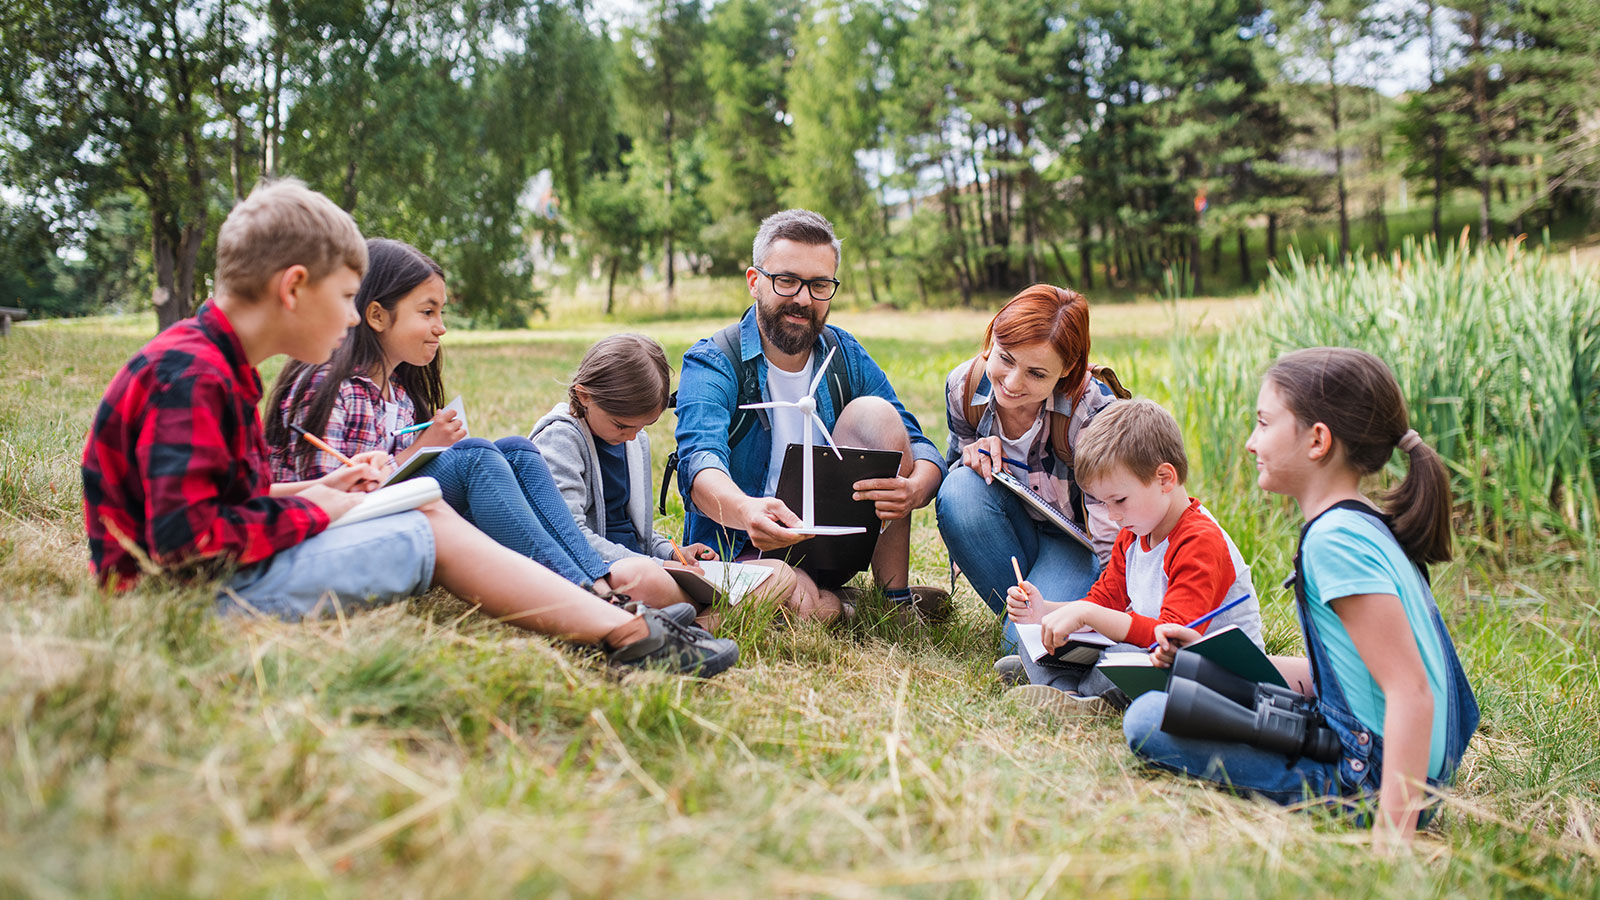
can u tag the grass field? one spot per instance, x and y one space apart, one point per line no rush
147 749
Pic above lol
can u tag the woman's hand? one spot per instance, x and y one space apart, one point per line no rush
445 430
1170 638
698 551
981 456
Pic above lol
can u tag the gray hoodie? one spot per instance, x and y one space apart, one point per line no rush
567 446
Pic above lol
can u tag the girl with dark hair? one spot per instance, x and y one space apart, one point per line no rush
384 378
1019 405
1380 667
599 453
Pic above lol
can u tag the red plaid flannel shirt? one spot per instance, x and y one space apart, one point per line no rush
176 464
355 425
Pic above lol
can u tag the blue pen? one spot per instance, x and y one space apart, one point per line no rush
417 427
1205 618
1008 460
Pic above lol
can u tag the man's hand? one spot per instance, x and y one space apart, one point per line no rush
698 551
370 468
445 430
986 461
767 520
333 502
892 498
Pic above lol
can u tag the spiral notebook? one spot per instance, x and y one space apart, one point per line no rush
1042 507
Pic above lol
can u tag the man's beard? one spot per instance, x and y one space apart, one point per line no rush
787 336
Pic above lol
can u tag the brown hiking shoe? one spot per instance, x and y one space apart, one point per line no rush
932 604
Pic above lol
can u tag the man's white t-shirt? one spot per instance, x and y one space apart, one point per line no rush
787 424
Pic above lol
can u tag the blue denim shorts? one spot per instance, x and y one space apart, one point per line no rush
366 564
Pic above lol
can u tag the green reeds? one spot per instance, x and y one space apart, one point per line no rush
1498 351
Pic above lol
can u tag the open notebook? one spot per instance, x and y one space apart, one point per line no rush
1228 647
387 501
1081 649
735 581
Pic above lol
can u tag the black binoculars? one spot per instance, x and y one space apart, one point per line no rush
1205 700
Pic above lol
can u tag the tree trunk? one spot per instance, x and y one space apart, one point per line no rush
611 285
1272 237
1338 168
1085 255
1480 116
1244 259
1194 261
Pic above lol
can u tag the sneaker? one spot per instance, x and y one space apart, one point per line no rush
850 598
674 648
681 613
1010 671
1062 704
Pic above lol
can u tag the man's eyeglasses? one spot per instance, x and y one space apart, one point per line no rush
785 285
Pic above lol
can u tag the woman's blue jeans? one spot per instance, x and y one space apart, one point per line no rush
984 525
505 489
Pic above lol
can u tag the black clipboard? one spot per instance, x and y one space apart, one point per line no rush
834 481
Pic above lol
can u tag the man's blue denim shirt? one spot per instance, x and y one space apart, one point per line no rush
708 397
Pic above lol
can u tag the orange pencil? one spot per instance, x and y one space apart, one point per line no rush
322 445
679 553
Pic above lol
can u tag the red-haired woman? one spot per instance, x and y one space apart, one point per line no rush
1014 406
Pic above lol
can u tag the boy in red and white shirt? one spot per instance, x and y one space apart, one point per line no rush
1171 561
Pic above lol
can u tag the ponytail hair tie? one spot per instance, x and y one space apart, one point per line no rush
1410 440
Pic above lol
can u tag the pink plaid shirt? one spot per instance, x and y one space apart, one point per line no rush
356 424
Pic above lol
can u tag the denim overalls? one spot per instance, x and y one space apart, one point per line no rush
1359 771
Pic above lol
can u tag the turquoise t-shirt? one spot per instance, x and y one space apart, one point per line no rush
1347 553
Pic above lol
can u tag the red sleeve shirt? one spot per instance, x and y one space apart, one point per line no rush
1179 580
175 469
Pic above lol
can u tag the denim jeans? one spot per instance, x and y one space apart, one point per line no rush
984 525
366 564
1246 769
505 489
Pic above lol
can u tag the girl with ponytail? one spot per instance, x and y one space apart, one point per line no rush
1380 671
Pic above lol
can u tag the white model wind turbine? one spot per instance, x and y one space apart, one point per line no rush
807 407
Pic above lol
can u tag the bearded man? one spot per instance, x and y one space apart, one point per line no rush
728 465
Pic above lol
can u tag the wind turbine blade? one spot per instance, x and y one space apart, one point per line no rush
823 373
775 404
826 436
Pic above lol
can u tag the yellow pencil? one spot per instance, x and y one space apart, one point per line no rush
1017 569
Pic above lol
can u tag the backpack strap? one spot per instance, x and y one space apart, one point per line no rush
748 379
970 390
838 379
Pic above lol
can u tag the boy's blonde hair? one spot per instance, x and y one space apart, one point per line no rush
1139 435
283 223
625 374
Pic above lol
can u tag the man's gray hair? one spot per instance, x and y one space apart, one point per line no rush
799 225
